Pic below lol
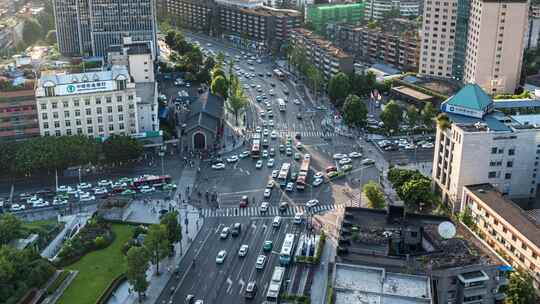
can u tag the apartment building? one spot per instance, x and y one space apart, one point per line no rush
96 104
506 227
329 59
396 43
533 28
90 27
18 114
320 16
483 145
477 41
495 44
193 14
376 9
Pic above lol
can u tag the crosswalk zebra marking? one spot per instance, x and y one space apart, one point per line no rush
272 211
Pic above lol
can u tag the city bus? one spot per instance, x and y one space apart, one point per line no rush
284 174
279 74
303 174
282 104
274 288
152 180
285 256
256 148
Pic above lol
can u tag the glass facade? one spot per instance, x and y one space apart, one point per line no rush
460 42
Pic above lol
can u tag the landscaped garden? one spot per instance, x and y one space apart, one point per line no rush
98 269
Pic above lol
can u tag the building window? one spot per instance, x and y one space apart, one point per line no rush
89 121
109 109
120 117
68 132
66 104
57 133
99 119
120 108
45 125
492 174
111 127
508 176
44 106
77 113
54 105
509 164
57 124
88 111
494 150
108 99
78 122
119 98
98 100
44 115
76 103
46 133
98 110
66 114
121 126
90 130
87 102
79 131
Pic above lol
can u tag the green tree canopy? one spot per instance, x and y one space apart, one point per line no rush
32 31
118 148
174 229
354 111
375 195
51 37
428 114
220 86
521 289
156 243
416 194
391 116
10 228
413 116
398 177
237 100
137 265
443 122
338 88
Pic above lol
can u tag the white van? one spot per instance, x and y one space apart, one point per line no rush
277 222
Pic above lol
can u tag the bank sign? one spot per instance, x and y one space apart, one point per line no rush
84 87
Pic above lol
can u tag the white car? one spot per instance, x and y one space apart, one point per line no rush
242 252
271 92
84 186
265 154
147 189
244 154
259 164
267 193
345 161
59 201
40 203
232 159
273 135
270 163
307 156
271 122
317 182
339 156
73 191
85 197
104 183
100 190
218 166
17 207
428 146
290 187
265 132
275 173
222 254
63 188
312 203
261 261
367 162
298 216
258 129
270 184
296 101
355 154
318 175
299 146
263 207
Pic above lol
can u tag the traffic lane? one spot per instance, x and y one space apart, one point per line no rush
408 156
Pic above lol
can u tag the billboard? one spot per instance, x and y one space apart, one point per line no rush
84 87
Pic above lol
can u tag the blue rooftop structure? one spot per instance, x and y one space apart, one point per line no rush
470 101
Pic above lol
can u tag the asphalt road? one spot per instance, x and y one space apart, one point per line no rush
199 275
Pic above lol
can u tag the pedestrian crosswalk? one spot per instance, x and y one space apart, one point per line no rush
271 212
306 133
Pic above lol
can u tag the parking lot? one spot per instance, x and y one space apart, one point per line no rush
402 151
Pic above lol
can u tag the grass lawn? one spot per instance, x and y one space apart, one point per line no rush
97 269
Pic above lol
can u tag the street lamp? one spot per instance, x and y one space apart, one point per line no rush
161 154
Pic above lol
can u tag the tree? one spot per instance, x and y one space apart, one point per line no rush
157 243
238 100
10 228
118 148
174 229
220 86
398 177
338 88
204 75
428 114
412 116
32 31
354 111
521 289
391 116
416 194
374 195
51 37
137 265
443 122
314 77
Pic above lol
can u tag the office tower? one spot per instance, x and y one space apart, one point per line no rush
90 27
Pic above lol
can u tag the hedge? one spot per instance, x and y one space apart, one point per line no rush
58 282
104 297
316 259
300 299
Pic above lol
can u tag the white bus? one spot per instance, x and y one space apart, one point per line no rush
283 176
286 250
282 104
272 295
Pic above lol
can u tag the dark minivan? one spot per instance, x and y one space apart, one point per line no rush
236 229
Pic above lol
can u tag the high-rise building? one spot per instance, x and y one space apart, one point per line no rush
90 27
322 15
376 9
478 41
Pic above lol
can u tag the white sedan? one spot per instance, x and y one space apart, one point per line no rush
339 156
355 154
317 182
218 166
270 163
84 186
104 183
312 203
290 187
267 192
263 207
244 154
259 164
63 188
273 135
275 173
100 190
59 201
232 159
296 101
345 161
222 254
265 132
318 175
367 162
147 189
17 207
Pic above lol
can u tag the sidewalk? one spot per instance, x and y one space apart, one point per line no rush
320 279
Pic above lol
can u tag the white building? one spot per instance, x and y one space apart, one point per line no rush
483 145
375 9
94 103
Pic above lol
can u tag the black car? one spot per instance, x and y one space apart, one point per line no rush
235 231
298 116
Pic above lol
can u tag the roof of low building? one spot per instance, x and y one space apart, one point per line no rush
508 210
471 96
206 112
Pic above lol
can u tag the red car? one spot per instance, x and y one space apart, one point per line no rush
330 169
244 201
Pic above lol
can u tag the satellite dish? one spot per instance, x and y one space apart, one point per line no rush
447 230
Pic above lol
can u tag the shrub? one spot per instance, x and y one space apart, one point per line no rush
57 282
100 242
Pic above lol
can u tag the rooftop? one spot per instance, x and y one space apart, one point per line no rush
146 92
362 284
508 210
321 42
471 96
65 78
417 95
270 11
